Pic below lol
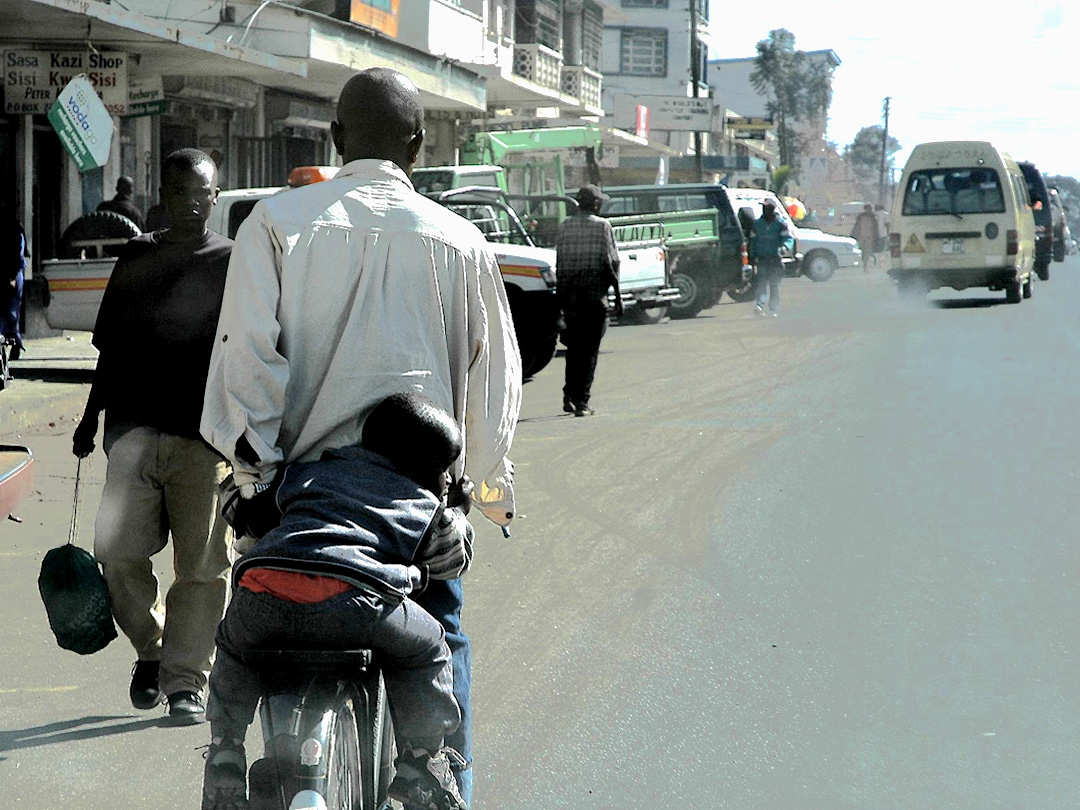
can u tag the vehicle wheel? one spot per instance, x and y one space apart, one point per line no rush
1042 270
1059 250
819 265
693 295
96 225
642 316
1025 290
343 780
536 353
1012 291
742 293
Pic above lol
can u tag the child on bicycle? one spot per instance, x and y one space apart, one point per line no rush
361 529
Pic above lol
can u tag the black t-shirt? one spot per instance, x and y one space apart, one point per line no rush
155 330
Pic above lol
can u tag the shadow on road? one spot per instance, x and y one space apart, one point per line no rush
71 730
551 418
60 375
966 303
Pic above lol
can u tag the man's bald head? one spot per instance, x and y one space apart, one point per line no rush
379 115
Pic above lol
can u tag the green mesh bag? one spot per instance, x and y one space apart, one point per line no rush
75 595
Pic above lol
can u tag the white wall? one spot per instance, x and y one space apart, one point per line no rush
732 89
443 29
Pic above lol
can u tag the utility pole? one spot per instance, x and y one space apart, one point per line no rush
884 151
695 78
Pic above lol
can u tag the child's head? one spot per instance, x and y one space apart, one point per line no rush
419 437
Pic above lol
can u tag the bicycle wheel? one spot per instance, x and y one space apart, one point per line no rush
343 778
386 755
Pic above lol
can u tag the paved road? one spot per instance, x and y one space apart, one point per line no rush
822 561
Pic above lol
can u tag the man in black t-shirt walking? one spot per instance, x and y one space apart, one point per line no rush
154 334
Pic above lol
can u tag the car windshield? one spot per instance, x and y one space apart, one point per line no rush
953 191
432 181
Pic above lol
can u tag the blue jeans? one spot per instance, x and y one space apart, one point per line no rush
443 600
770 274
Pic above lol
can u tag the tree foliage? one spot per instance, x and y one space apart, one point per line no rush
863 154
799 89
1069 189
781 176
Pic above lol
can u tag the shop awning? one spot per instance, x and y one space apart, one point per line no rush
162 49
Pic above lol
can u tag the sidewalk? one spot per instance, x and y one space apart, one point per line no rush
51 382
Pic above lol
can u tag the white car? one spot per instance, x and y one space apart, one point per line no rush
822 254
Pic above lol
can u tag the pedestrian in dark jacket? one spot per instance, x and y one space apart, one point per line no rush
866 232
361 530
12 268
587 265
122 203
770 236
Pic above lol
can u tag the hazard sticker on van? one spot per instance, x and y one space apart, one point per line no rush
914 245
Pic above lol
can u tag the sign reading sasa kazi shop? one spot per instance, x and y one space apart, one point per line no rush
33 79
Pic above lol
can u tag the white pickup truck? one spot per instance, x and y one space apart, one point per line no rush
76 285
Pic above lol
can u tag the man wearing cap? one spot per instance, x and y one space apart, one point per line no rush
768 238
587 265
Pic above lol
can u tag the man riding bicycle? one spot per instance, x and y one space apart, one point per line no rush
363 529
344 292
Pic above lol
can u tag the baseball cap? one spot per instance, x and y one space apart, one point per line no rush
590 193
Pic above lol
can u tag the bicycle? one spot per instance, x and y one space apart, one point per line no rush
327 734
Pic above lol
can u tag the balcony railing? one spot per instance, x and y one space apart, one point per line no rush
538 64
582 83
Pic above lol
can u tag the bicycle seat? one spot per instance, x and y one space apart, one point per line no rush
310 659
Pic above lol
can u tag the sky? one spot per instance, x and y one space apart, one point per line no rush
955 69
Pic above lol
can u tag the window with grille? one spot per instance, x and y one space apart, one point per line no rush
539 21
549 23
643 52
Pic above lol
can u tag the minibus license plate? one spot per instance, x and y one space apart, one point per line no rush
953 245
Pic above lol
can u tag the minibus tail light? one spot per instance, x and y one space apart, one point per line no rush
1012 242
894 245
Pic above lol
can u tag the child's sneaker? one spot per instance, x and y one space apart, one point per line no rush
427 783
225 777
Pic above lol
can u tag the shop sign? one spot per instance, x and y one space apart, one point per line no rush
83 123
672 113
33 79
146 96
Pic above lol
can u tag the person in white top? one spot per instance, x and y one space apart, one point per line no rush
344 292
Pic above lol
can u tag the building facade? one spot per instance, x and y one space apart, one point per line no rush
254 84
656 48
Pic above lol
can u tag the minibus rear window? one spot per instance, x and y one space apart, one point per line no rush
953 191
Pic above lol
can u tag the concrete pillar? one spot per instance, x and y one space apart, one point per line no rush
24 152
573 25
146 189
111 170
